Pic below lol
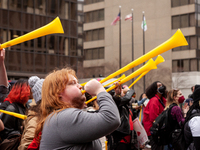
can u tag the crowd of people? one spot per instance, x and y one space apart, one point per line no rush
58 117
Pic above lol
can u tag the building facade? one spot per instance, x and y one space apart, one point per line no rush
41 55
163 18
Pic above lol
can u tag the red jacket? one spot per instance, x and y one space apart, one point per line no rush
151 112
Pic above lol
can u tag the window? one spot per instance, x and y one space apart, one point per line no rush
92 72
92 1
175 3
192 44
93 16
80 30
80 7
93 35
193 64
95 53
184 65
182 21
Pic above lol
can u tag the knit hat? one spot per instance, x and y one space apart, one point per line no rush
196 93
36 87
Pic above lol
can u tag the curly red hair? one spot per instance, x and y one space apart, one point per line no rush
20 92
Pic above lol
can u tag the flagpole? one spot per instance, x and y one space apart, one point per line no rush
120 38
132 48
143 49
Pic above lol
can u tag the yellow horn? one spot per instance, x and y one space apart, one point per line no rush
176 40
120 78
14 114
158 60
53 27
148 66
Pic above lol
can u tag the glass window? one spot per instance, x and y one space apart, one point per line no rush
73 44
27 62
198 19
193 42
3 4
73 28
184 21
80 30
15 20
199 43
73 11
52 62
51 42
175 3
198 1
185 47
80 41
95 35
88 1
63 61
95 53
101 34
101 15
79 18
192 20
80 7
193 65
88 54
63 9
40 7
183 2
175 22
191 1
65 24
28 6
88 36
15 5
199 65
13 60
185 65
52 7
180 65
101 53
95 16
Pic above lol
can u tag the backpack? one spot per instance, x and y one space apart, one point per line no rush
160 130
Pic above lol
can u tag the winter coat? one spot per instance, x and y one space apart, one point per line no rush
153 109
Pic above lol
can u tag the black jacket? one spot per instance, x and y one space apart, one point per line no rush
12 124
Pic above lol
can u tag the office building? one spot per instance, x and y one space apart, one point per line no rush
163 18
41 55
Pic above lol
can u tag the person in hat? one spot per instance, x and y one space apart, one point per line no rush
189 101
192 122
32 117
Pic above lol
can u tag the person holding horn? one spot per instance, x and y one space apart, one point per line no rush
4 86
18 97
156 92
63 123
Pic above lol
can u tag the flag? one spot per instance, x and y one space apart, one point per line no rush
128 17
116 19
144 24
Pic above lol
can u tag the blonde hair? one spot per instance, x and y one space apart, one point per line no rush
53 85
170 96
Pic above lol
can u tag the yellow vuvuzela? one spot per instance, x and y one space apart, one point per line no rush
176 40
158 60
149 65
53 27
120 78
14 114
